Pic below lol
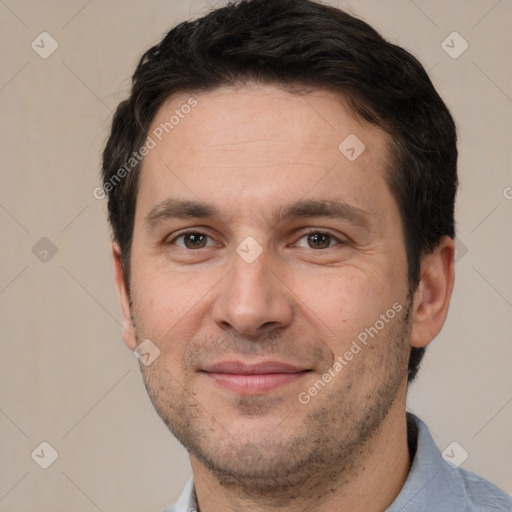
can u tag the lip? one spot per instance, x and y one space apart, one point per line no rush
253 379
262 368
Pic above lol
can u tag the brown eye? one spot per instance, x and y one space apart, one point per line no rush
319 240
193 241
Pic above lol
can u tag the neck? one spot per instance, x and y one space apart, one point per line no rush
370 483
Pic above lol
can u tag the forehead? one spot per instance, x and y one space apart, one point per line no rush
263 143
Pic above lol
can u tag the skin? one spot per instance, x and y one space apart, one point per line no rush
249 151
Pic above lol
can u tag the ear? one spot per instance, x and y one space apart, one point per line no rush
129 336
433 294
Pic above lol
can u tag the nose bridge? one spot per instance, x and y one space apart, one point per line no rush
251 298
251 278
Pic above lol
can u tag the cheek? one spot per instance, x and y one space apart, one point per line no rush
342 303
170 306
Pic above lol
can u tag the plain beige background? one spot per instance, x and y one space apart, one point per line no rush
67 378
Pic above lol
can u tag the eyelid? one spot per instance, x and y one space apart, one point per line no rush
342 240
199 231
189 231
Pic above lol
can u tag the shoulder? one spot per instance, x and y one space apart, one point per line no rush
482 495
434 484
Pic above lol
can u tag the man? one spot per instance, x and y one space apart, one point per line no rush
281 190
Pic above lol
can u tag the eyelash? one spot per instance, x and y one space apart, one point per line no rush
185 233
305 234
319 232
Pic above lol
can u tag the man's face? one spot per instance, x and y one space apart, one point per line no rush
254 294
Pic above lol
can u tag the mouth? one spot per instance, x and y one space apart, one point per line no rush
253 379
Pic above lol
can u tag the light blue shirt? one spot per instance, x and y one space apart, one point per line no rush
432 485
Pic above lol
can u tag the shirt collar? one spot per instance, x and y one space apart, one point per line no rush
432 484
187 501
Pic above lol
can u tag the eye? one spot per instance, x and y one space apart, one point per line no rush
318 240
193 240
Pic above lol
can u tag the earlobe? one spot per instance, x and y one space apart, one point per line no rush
129 335
433 294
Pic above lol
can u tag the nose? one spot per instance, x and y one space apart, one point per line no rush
252 299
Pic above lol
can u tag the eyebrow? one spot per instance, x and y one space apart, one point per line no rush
325 208
178 209
181 209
